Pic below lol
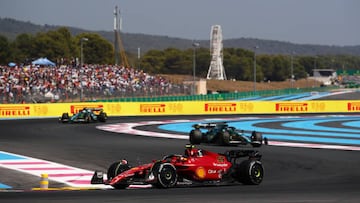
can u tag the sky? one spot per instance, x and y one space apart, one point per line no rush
322 22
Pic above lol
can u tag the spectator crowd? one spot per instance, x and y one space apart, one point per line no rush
38 84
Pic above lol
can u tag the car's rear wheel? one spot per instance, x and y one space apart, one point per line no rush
165 174
195 136
115 169
249 172
65 117
102 117
256 139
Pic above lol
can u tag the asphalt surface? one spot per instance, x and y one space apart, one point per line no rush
291 174
346 96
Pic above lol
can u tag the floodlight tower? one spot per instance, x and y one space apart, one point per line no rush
216 69
119 48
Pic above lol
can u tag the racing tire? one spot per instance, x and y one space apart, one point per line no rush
195 137
102 117
256 139
249 172
115 169
165 174
224 138
65 117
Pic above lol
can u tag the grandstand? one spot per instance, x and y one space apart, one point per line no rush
325 76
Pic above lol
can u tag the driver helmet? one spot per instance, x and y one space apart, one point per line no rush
192 151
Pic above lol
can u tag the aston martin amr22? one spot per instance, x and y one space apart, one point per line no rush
221 133
86 115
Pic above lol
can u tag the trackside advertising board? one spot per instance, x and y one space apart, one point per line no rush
8 111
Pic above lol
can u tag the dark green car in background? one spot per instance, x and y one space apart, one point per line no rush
86 115
222 134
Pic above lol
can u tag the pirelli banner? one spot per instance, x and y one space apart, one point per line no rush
180 108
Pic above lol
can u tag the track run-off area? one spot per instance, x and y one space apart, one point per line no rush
329 132
289 131
69 153
309 158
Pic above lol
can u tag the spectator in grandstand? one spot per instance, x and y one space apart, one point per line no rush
65 83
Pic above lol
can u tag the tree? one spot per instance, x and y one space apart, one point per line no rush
267 66
5 50
68 42
281 65
238 64
24 48
232 68
176 61
49 45
96 50
307 63
153 61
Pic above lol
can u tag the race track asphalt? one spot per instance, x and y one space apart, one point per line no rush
291 174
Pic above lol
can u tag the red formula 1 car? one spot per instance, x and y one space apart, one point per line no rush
196 166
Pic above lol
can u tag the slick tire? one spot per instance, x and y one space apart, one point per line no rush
165 173
256 139
249 172
64 117
102 117
224 138
195 137
115 169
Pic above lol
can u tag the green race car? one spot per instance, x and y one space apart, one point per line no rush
86 115
223 134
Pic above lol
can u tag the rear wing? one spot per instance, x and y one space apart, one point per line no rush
96 109
209 125
235 154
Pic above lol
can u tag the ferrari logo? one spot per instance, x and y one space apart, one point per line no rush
221 159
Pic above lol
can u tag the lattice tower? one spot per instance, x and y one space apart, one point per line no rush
118 45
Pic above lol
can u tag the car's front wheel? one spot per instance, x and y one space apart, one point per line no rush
224 138
165 174
115 169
